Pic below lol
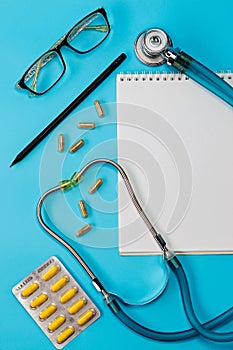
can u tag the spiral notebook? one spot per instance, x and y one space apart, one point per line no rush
175 141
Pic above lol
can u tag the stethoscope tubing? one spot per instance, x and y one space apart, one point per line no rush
172 261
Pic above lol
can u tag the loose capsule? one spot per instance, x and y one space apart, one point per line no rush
30 290
65 334
68 295
38 301
61 141
73 309
88 125
86 317
99 108
50 273
59 284
95 186
76 146
83 208
84 230
48 311
55 324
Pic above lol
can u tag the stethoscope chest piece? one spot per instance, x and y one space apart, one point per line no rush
150 45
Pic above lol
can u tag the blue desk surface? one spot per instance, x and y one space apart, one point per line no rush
201 28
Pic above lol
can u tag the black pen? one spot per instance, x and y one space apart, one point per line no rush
69 108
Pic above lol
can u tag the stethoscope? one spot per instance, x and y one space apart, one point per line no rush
113 301
154 47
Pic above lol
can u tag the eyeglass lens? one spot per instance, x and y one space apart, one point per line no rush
48 69
88 33
45 72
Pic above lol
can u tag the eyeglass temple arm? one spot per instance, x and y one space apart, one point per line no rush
35 78
101 28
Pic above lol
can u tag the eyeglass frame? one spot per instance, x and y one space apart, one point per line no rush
57 46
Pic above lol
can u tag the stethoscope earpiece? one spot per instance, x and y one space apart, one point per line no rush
150 46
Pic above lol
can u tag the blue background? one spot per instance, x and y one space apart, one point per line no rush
203 29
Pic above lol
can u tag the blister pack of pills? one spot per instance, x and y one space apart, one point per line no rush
56 302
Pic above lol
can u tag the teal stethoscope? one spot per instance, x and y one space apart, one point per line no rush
154 47
113 301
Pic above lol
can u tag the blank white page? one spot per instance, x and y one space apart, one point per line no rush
175 141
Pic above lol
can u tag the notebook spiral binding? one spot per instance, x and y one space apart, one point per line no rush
163 76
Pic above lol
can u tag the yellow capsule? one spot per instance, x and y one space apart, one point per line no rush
65 334
84 230
55 324
89 125
77 306
50 273
87 316
76 146
38 301
30 290
99 108
83 209
95 186
48 311
61 141
59 284
68 295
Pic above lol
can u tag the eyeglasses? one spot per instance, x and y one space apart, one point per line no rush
48 69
